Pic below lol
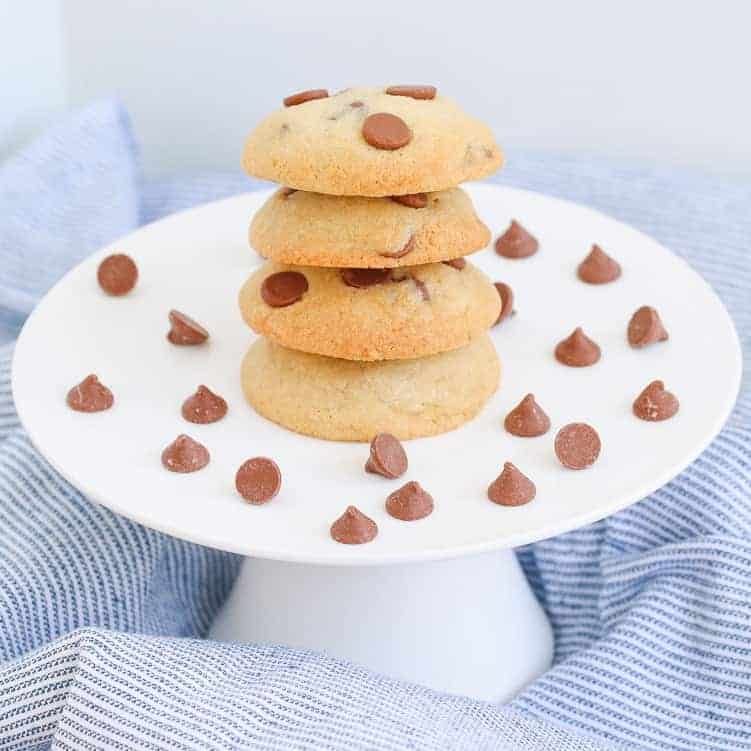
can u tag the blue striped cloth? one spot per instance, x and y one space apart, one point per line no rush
101 620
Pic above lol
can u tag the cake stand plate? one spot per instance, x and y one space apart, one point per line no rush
468 625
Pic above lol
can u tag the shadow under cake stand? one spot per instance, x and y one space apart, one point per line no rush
441 601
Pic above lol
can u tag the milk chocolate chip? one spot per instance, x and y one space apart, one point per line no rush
422 288
410 502
356 106
527 419
645 327
655 403
185 331
117 274
598 267
507 301
577 350
353 527
511 487
361 278
386 131
456 263
516 242
408 248
387 457
577 445
305 96
283 288
258 480
90 396
204 407
413 200
185 455
416 92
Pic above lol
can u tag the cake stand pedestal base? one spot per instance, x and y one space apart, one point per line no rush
467 625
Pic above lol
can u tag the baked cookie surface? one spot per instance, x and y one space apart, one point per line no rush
326 145
344 400
314 229
375 315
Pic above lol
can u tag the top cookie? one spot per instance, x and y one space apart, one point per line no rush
366 142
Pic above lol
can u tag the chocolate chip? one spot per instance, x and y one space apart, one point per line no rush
258 480
511 487
387 457
527 419
361 278
577 445
516 242
185 455
416 92
353 527
90 396
305 96
655 403
409 246
287 192
356 106
413 200
507 301
577 350
422 288
185 331
204 407
598 267
117 274
410 502
283 288
456 263
386 131
645 327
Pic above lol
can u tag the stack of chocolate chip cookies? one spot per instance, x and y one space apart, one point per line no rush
371 319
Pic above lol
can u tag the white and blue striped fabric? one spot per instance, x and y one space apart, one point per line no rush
101 620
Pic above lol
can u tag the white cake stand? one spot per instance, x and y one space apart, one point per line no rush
441 601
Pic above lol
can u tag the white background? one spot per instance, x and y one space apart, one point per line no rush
660 80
